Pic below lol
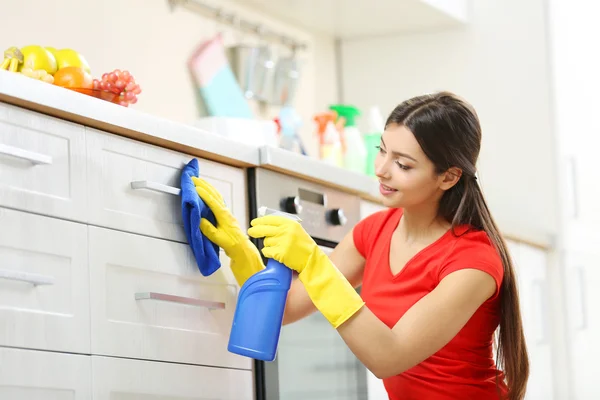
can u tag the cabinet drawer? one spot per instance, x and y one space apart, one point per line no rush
123 379
40 375
44 283
153 207
42 164
129 275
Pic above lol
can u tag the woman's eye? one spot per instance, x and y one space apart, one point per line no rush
381 150
402 166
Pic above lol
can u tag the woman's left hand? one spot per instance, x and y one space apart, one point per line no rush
287 242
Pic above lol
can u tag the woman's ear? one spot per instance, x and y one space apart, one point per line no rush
450 178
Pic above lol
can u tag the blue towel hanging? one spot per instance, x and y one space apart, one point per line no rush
193 209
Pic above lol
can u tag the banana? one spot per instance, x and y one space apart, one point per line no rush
12 58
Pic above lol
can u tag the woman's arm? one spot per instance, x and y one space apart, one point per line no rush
352 265
425 328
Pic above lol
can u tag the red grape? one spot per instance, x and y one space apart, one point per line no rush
121 83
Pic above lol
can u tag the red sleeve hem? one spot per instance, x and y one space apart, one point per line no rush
490 269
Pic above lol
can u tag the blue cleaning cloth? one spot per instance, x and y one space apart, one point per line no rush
193 209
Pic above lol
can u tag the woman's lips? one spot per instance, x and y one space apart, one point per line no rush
386 190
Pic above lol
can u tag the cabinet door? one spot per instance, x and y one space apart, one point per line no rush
44 283
531 266
579 192
40 375
582 272
42 164
149 301
135 186
123 379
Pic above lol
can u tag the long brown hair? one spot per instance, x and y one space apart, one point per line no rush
448 130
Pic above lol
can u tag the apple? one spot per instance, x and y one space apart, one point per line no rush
70 58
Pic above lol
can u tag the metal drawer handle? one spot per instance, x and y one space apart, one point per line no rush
34 279
156 187
212 305
34 158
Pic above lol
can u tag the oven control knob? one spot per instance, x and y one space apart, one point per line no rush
337 217
291 205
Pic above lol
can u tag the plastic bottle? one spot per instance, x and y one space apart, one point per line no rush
259 313
330 147
355 156
373 138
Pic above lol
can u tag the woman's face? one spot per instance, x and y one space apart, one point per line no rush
407 177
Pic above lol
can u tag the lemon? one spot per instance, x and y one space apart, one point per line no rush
37 57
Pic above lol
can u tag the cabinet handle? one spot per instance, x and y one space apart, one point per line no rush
582 297
540 285
34 279
155 187
212 305
34 158
572 163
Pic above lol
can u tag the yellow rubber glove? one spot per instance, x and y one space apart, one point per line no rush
245 257
287 242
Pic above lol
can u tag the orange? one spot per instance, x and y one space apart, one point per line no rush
73 77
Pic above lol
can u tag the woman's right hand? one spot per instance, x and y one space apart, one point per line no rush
245 257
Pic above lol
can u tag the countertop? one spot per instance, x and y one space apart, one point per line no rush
129 122
86 110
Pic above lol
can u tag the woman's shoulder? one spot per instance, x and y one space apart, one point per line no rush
471 248
470 243
370 228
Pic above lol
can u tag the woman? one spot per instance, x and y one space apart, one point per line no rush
436 276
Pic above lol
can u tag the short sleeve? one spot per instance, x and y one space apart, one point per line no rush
474 250
366 231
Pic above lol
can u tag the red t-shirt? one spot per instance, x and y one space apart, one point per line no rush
464 368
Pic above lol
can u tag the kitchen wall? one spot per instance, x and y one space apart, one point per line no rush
499 63
145 37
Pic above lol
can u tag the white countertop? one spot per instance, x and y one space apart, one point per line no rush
67 104
129 122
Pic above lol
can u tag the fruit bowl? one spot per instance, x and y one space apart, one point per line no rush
100 94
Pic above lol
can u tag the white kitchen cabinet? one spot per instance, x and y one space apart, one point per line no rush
44 283
42 164
135 186
149 301
582 280
40 375
579 193
123 379
531 266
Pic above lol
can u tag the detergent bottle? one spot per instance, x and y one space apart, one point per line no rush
259 312
373 138
330 146
355 156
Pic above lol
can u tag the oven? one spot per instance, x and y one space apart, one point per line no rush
312 362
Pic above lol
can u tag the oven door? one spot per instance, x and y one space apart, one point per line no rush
313 362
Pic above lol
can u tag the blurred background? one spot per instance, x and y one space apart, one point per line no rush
304 69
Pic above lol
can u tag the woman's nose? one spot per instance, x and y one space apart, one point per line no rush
381 169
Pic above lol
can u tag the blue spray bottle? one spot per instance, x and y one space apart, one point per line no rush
259 313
